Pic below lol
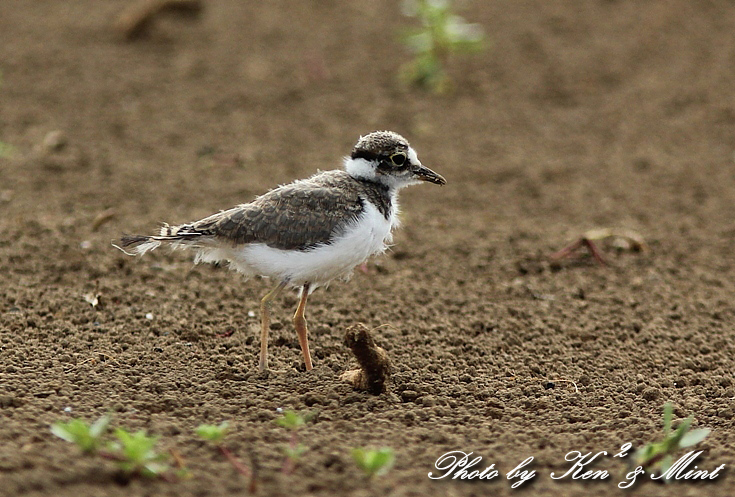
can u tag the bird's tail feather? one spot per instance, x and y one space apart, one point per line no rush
179 236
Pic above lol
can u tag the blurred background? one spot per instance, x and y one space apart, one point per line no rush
563 117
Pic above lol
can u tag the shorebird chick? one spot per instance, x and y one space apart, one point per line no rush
306 234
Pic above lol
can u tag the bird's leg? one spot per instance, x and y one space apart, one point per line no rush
299 322
265 323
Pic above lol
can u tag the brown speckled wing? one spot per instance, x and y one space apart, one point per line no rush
296 216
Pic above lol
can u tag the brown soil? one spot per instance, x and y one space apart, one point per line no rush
582 114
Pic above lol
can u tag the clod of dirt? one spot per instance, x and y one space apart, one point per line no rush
135 21
375 367
54 141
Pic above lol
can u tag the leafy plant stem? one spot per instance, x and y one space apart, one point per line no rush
239 467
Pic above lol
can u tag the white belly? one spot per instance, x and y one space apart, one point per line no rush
369 235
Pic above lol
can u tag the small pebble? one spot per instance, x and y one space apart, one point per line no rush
149 315
251 314
54 141
85 245
67 409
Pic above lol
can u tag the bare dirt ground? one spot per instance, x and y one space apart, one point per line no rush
583 114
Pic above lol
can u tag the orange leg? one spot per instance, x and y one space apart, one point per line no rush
299 322
265 323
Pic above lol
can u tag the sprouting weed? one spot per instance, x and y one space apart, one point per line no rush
374 462
134 453
441 35
137 453
213 433
659 456
294 453
216 435
87 437
293 421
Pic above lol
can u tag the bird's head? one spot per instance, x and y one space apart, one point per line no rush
387 158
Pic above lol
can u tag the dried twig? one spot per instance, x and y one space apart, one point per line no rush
625 239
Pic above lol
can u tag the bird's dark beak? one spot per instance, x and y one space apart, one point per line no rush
426 174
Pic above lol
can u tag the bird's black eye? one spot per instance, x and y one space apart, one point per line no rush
398 159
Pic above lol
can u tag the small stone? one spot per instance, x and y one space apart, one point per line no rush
54 141
651 393
10 401
311 399
409 395
725 413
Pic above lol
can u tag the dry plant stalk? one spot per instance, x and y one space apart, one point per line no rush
623 239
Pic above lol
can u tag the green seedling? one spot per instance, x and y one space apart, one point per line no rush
292 421
441 35
659 456
374 462
87 437
136 454
216 434
213 433
133 453
293 454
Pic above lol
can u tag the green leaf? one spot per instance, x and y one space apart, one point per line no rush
674 440
291 420
374 461
441 35
668 414
666 463
100 426
418 42
76 431
64 431
660 455
294 453
213 433
693 437
138 454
